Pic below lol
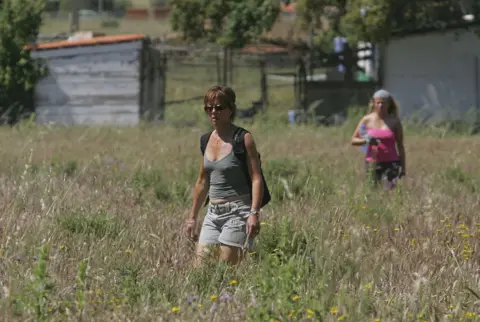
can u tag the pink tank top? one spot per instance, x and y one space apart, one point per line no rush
386 151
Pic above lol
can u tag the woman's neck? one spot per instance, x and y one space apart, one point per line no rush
224 130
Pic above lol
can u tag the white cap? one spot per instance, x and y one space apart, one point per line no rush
381 93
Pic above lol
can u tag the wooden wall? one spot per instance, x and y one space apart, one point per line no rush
90 85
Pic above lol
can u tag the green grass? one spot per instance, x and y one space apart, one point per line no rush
92 218
281 99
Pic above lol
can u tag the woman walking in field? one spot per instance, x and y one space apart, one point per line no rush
385 155
235 192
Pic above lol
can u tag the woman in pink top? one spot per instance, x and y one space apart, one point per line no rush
385 155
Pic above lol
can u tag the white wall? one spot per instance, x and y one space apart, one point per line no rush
90 85
434 74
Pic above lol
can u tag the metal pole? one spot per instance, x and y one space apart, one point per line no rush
476 126
477 94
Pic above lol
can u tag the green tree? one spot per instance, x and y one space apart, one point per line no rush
20 21
376 20
228 23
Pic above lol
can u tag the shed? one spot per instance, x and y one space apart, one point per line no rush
435 74
109 80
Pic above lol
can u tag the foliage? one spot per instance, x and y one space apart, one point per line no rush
20 21
229 23
375 20
366 20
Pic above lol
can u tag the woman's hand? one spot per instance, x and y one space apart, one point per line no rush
190 226
253 225
370 140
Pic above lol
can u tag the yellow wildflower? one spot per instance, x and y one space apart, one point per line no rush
470 315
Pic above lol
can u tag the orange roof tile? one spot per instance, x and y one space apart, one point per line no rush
263 49
291 8
86 42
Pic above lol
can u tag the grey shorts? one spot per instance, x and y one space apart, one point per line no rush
226 224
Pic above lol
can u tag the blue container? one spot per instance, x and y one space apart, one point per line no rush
292 115
363 132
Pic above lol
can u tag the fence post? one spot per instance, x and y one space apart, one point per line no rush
476 126
263 84
230 67
75 17
300 85
162 79
219 69
225 65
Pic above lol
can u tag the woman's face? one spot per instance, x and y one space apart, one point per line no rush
218 113
381 105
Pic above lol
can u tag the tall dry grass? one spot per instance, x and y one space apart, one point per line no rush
91 230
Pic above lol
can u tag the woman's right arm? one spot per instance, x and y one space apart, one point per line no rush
356 138
199 192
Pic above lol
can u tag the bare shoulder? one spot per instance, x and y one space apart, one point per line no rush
367 119
249 141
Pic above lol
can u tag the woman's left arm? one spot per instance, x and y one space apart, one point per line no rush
255 172
401 148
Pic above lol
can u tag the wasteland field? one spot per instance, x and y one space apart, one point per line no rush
91 228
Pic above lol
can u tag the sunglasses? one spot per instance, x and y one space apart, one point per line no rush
218 107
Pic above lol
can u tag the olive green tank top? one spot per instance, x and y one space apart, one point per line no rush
227 178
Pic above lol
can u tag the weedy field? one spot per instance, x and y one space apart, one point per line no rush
92 218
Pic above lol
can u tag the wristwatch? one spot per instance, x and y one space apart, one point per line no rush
255 212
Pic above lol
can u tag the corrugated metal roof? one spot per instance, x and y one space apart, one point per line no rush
86 42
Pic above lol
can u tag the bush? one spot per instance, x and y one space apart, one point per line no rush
20 21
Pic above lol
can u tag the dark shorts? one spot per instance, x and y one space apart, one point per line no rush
378 171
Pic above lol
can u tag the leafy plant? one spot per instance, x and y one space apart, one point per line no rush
20 21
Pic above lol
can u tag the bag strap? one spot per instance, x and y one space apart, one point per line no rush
204 141
240 152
